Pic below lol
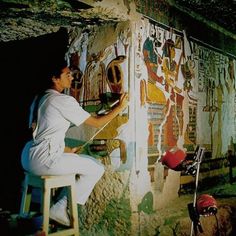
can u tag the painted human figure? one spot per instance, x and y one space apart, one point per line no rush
170 68
151 57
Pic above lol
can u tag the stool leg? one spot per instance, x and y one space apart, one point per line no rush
46 206
25 199
74 209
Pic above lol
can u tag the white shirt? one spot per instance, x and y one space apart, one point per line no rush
56 112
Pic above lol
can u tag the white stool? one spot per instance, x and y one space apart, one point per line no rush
47 184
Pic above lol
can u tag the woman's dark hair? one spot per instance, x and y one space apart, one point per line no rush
56 69
53 70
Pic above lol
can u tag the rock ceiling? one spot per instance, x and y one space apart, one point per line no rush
25 18
222 13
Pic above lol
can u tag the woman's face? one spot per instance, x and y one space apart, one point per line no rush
65 79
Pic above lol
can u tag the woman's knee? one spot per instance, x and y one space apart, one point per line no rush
100 171
97 172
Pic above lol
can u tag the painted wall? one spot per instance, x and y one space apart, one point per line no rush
181 94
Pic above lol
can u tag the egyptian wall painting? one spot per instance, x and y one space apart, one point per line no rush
99 58
216 93
187 90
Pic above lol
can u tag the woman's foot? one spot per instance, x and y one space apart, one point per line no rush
59 212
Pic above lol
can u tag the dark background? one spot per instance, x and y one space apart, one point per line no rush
22 76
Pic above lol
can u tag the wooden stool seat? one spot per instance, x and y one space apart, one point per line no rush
47 183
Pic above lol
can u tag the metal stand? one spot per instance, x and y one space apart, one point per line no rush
197 159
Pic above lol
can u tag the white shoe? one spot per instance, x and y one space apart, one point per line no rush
59 213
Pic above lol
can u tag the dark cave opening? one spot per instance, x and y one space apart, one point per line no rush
23 65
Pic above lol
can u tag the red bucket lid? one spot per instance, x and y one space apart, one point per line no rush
173 157
205 201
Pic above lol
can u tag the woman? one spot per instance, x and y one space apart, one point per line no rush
46 154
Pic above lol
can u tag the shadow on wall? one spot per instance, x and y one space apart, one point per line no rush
23 65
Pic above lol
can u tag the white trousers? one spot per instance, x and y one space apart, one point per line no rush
89 170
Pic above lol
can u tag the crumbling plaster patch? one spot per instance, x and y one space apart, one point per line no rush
105 36
108 203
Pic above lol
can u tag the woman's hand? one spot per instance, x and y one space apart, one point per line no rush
71 150
100 121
